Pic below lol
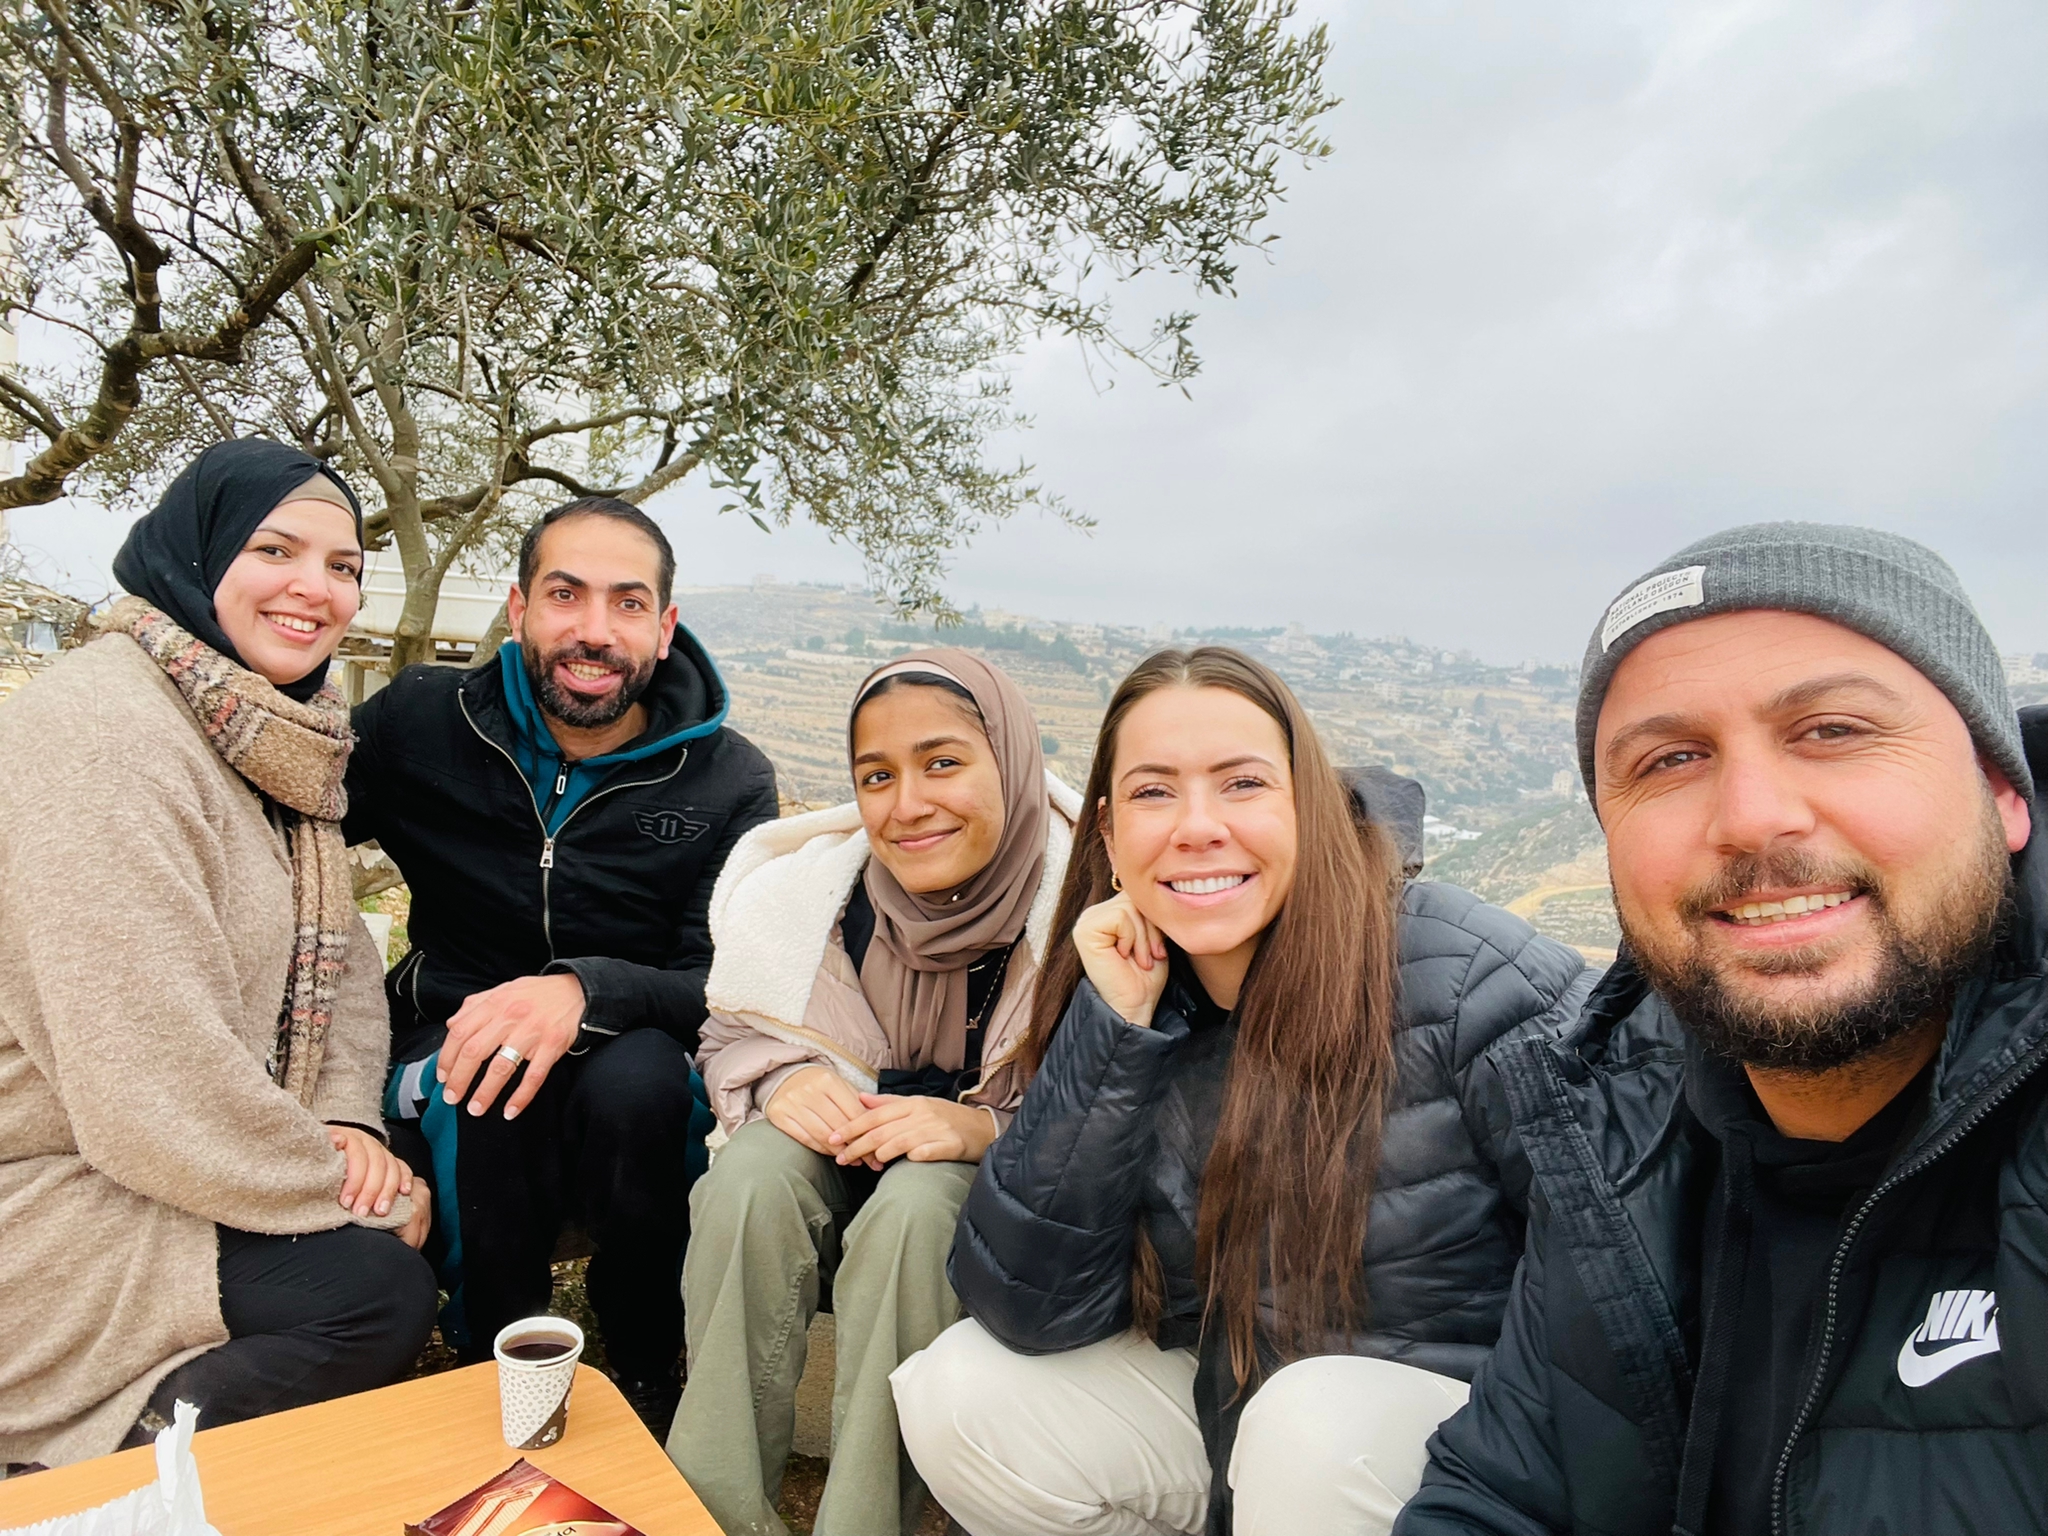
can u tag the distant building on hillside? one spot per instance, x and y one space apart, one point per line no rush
2027 676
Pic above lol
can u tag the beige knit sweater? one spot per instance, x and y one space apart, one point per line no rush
145 933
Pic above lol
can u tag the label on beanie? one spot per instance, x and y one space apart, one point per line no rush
1646 599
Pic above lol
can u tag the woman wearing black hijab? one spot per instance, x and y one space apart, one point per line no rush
195 1198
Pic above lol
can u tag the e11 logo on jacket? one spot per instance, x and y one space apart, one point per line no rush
670 826
1960 1326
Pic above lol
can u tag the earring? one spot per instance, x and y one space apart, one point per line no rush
1116 881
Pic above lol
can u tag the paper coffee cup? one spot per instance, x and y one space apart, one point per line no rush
537 1359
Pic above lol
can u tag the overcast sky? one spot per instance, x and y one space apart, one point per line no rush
1580 283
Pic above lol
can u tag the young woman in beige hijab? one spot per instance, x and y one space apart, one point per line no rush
873 974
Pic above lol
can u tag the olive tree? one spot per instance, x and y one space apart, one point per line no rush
479 253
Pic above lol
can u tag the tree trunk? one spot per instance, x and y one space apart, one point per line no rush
496 635
413 638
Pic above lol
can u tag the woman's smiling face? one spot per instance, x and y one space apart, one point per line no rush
293 591
1200 822
929 787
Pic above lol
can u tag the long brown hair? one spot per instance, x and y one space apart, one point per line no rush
1288 1180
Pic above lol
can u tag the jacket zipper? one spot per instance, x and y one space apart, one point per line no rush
547 852
547 842
1919 1165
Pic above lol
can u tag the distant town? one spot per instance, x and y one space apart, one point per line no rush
1492 745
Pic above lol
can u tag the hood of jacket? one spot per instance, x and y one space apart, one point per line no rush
1397 804
686 699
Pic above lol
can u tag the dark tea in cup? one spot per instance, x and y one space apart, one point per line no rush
538 1348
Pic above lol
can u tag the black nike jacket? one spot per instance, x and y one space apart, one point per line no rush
1923 1408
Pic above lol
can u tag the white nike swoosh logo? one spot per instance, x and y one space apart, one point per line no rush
1917 1370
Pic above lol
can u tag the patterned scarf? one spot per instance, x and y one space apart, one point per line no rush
296 754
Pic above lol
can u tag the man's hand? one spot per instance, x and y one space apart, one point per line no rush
374 1177
925 1130
538 1016
812 1104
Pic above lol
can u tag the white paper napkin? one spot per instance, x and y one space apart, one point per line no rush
170 1506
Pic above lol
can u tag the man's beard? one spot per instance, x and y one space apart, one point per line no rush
574 710
1916 977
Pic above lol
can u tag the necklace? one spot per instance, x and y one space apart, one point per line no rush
995 991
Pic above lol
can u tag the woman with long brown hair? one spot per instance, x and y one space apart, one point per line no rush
1252 1230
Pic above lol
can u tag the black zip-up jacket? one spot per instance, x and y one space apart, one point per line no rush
1116 1129
619 896
1924 1404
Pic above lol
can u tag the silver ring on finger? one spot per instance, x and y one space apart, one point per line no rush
510 1053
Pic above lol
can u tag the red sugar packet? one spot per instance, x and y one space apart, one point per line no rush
522 1500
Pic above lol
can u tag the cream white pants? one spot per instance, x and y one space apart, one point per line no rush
1103 1441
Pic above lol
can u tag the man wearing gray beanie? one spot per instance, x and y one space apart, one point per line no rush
1787 1263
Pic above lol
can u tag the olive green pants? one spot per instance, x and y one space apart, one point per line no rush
768 1220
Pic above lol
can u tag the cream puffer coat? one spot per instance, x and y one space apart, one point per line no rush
782 993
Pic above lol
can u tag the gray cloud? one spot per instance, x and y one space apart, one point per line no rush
1581 283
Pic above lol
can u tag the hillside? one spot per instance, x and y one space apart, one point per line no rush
1492 746
1485 741
1549 866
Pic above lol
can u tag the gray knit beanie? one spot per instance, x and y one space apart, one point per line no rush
1886 588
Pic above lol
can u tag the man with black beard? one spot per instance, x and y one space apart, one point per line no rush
1787 1264
560 815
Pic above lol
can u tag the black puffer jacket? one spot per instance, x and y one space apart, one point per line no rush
1117 1127
1916 1418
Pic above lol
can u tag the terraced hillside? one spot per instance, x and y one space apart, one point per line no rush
1549 866
793 656
1491 745
1485 741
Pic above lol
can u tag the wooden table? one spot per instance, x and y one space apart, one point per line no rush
364 1465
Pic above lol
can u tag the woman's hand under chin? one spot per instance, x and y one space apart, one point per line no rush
1125 956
